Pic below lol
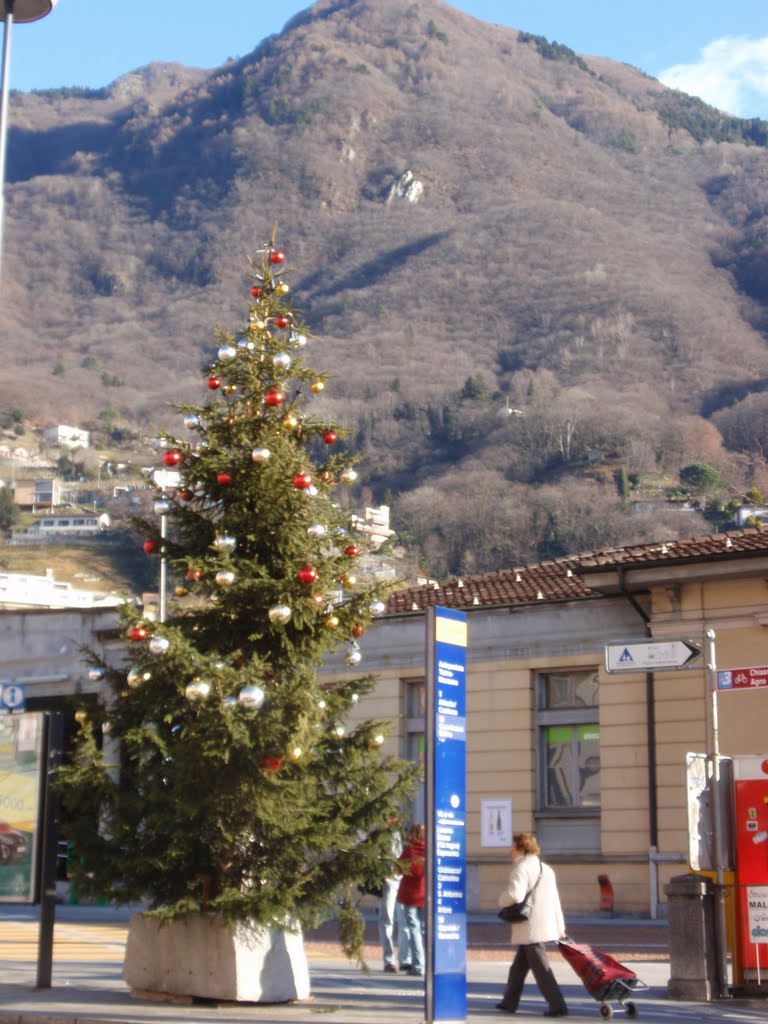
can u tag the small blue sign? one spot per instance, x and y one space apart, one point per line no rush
13 699
725 680
449 875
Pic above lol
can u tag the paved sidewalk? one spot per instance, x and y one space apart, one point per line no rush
87 987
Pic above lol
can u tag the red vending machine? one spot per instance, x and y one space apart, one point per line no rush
750 777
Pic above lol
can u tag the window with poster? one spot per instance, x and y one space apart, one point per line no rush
568 755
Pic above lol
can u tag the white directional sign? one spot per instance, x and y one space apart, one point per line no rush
650 655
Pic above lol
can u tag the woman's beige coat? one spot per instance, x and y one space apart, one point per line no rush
546 923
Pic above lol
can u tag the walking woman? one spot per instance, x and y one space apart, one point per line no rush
545 924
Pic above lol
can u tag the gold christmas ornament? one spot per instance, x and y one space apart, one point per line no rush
332 622
181 591
349 476
229 389
197 690
80 717
317 386
296 753
280 614
290 422
282 288
136 677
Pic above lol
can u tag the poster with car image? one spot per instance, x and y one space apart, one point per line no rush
21 757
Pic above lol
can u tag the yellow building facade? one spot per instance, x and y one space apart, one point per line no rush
593 761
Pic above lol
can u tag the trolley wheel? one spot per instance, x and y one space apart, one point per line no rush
606 1011
631 1009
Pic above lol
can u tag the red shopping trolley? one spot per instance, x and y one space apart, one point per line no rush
604 978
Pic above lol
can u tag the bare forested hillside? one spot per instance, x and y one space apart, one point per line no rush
539 279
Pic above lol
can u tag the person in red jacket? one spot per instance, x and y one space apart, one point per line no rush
411 895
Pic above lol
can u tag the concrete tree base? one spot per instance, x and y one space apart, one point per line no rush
202 956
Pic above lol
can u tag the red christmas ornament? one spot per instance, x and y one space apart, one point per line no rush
149 546
138 633
271 764
307 575
172 457
256 291
302 481
224 479
357 630
186 495
277 256
274 397
194 574
214 383
352 550
329 437
281 320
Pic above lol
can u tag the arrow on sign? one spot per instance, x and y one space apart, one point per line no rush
646 655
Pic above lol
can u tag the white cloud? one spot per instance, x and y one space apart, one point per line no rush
730 74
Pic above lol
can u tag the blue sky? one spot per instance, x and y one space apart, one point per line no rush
715 50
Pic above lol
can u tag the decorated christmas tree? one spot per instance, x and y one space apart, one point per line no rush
217 772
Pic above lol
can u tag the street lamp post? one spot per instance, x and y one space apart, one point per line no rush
13 11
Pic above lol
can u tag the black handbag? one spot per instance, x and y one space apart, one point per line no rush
516 912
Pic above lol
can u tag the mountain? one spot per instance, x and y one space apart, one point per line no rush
514 258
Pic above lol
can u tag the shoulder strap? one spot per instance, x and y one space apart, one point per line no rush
536 883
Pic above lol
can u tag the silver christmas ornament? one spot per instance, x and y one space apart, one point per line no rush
96 675
316 530
377 608
224 542
192 422
225 578
226 353
353 658
161 507
281 361
158 645
260 454
251 697
298 339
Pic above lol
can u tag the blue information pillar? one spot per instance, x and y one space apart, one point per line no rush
446 904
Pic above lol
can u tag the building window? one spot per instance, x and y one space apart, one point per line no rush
568 729
414 705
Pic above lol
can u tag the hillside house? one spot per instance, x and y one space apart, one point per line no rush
63 525
34 494
67 437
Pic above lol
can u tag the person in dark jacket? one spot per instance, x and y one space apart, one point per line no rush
546 924
411 894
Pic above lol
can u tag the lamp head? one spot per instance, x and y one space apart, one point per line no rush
26 10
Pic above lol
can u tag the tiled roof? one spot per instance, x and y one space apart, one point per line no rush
563 579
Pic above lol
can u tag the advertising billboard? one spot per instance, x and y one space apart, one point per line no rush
21 770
